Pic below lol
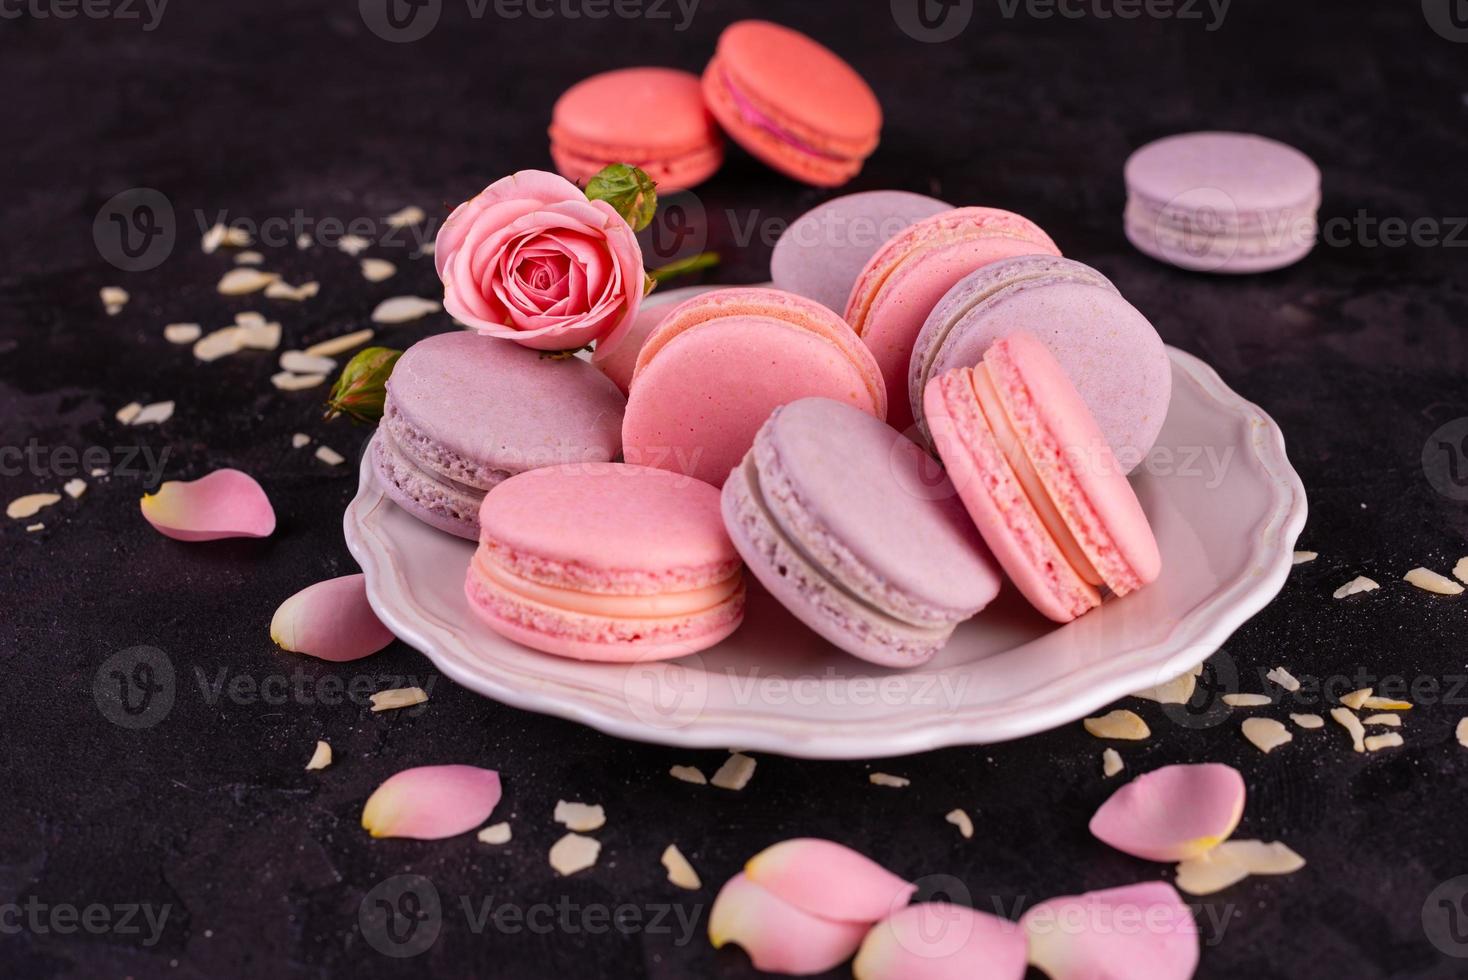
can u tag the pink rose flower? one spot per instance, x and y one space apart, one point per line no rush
530 259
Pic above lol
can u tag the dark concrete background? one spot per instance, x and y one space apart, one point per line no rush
272 109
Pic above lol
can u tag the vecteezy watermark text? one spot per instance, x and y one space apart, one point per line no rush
405 21
149 12
95 919
64 462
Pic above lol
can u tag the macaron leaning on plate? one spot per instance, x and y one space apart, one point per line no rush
651 118
1222 202
713 370
605 561
824 250
854 530
1039 479
1110 350
907 276
465 412
792 102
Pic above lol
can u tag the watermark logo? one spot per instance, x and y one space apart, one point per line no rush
1445 917
1445 459
400 21
932 21
679 230
667 695
1448 18
136 229
401 916
1205 707
134 688
404 21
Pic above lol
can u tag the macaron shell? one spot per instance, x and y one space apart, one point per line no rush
1224 254
1259 175
436 502
618 361
823 251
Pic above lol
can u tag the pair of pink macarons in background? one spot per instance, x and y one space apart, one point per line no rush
787 99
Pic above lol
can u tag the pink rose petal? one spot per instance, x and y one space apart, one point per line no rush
938 941
1137 932
828 879
432 802
223 504
1173 813
331 620
779 937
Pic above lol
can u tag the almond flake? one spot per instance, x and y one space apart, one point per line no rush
321 758
243 280
1231 862
1390 721
1284 679
580 816
281 289
1179 690
376 270
410 215
114 298
1429 581
427 248
689 774
1386 704
1266 733
402 309
353 245
75 487
249 318
222 234
249 258
1356 698
1308 721
1247 700
220 343
1301 557
1386 740
495 833
574 853
30 505
182 333
1348 720
735 773
339 345
300 440
286 381
259 336
1120 723
33 528
961 820
98 472
1462 732
128 412
329 456
1111 763
303 241
890 781
154 414
1358 584
299 362
398 697
1460 570
680 872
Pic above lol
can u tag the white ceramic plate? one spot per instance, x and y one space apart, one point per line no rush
1224 502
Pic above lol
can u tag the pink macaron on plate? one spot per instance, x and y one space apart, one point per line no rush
1218 490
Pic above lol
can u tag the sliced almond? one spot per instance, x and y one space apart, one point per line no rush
114 298
1267 734
735 773
1247 700
1356 698
580 816
33 528
1231 862
1386 740
574 853
281 289
402 309
1111 763
353 245
300 440
1386 704
300 362
155 414
495 833
304 241
1121 723
128 412
30 505
182 333
888 780
321 758
220 343
1429 581
376 270
689 774
259 336
1179 690
249 318
1301 557
1358 584
960 819
1308 721
410 215
329 456
680 872
1284 679
339 345
286 381
398 697
1347 719
249 258
1460 570
1462 732
222 234
1390 721
243 280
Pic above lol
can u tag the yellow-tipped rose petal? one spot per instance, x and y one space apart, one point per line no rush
1137 932
829 880
432 802
1173 813
779 937
224 504
331 620
937 941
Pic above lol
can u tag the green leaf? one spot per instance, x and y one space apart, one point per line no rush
361 388
629 191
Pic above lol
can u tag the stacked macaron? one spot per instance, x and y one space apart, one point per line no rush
790 101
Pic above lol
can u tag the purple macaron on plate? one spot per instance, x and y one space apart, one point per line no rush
1221 496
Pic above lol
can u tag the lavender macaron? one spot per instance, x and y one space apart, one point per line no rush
856 531
1107 347
824 250
465 413
1222 202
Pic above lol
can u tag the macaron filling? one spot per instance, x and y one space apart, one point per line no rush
609 605
752 115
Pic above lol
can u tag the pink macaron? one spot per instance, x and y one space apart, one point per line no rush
792 102
606 561
908 275
618 360
712 371
1039 479
651 118
465 412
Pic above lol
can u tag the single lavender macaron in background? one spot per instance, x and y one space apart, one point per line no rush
651 118
606 561
465 412
1110 350
907 276
855 531
1039 479
792 102
823 251
1222 202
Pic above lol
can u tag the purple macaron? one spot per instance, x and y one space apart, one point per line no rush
465 412
857 532
1222 202
823 251
1107 347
